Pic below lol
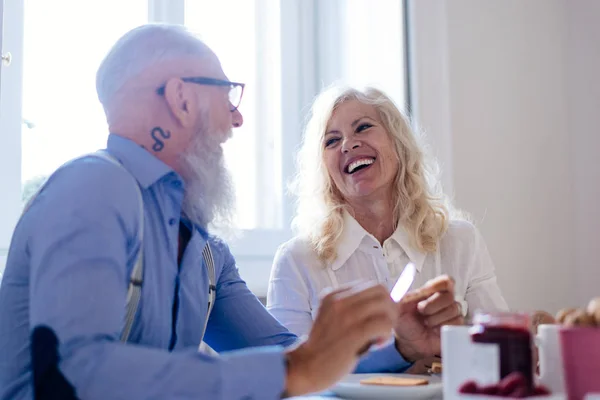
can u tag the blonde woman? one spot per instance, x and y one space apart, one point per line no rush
368 204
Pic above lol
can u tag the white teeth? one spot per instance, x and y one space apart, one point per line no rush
358 163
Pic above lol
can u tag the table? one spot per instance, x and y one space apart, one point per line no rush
318 396
330 396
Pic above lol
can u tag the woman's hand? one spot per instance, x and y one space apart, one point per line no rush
421 314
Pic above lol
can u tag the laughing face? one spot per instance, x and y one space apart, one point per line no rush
359 153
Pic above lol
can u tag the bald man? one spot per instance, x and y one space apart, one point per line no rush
75 258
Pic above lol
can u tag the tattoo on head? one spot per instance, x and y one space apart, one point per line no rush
159 144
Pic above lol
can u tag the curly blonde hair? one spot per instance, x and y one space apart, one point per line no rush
421 206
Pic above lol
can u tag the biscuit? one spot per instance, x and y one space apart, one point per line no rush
562 314
579 318
593 309
542 318
393 381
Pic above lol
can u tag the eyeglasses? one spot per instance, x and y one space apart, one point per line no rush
236 89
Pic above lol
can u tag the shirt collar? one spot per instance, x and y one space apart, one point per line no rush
415 255
353 234
144 167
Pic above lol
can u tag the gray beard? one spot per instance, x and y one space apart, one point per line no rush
209 198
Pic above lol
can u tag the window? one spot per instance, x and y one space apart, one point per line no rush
284 50
62 117
363 43
245 36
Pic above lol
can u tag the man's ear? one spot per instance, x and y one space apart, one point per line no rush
181 101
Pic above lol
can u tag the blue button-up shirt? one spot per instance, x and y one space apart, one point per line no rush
68 267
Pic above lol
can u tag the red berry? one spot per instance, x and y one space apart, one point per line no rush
511 382
490 389
469 387
541 391
519 392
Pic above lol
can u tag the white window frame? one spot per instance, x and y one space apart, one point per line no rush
10 121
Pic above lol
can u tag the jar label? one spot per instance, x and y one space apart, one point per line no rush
485 363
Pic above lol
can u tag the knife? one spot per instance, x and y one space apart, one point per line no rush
404 282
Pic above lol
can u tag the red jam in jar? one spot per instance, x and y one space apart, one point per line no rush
511 332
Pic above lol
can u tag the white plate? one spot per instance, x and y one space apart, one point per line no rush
350 388
559 396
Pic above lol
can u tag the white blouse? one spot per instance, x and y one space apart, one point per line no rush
298 278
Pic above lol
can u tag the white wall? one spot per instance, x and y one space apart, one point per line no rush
514 111
583 104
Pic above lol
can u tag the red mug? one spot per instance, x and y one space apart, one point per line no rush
581 361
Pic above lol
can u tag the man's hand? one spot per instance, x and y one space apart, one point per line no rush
348 322
422 313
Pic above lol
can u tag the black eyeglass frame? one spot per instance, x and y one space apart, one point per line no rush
201 80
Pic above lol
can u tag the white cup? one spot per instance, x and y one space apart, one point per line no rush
465 360
551 362
456 345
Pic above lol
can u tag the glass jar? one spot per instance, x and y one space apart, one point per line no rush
511 332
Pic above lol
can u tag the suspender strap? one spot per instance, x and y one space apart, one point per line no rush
210 266
134 291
